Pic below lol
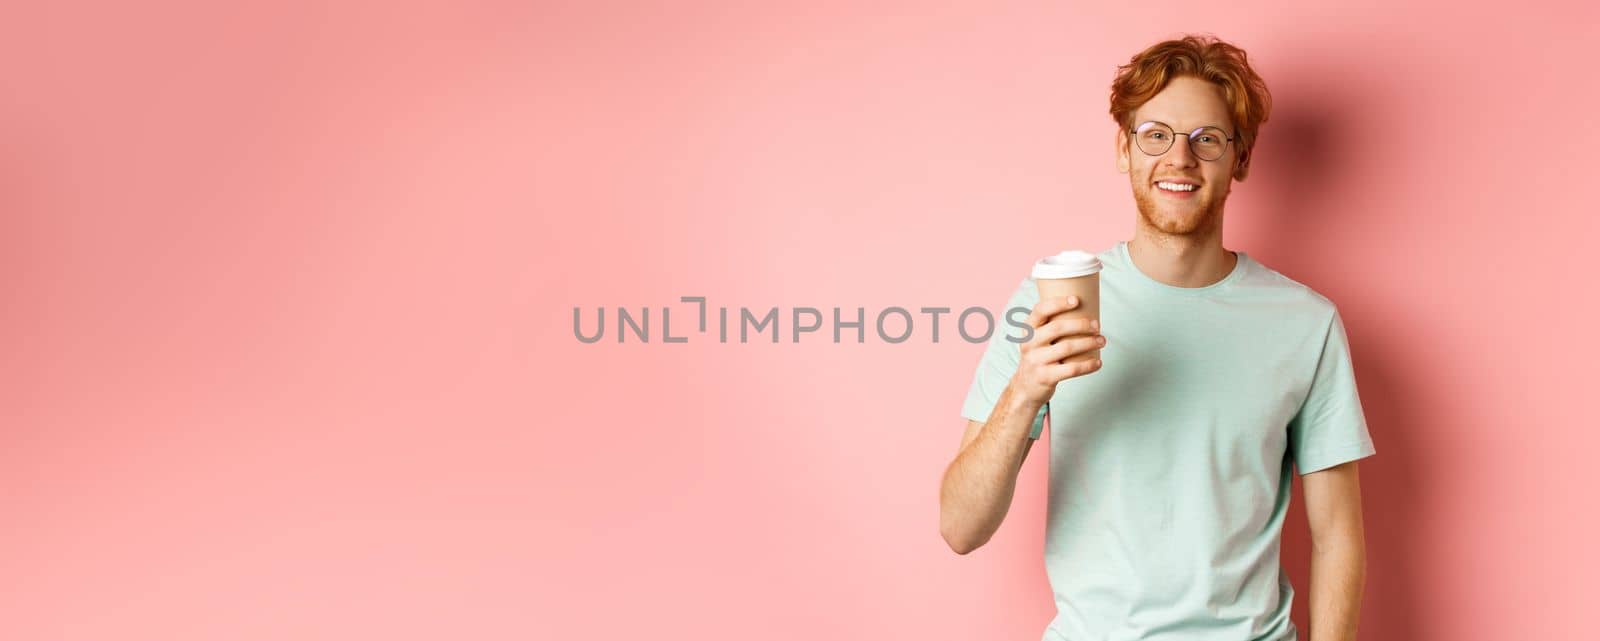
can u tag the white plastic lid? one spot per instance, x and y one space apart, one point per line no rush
1068 264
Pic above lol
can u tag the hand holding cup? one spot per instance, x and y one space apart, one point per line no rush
1066 340
1062 347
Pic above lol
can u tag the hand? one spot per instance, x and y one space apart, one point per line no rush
1055 339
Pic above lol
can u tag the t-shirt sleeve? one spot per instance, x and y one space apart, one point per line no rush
1001 356
1330 427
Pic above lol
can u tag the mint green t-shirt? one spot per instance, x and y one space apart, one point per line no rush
1170 467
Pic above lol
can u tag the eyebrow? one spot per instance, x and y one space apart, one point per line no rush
1174 128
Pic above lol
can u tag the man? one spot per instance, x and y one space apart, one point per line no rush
1170 460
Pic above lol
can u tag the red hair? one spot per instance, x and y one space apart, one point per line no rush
1206 58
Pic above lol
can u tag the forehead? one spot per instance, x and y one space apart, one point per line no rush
1186 103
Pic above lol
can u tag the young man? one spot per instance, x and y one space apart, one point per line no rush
1171 460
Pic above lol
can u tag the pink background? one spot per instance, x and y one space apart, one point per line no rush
288 299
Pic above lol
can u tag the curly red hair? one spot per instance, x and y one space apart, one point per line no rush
1201 56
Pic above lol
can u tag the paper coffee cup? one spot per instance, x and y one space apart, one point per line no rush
1072 273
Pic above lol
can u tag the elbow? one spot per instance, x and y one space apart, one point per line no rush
958 546
959 542
956 526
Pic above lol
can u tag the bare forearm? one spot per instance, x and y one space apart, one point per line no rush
978 485
1338 573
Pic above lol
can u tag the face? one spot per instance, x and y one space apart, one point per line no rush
1184 105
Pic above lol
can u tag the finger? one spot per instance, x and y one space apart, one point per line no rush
1048 307
1064 371
1059 327
1071 347
1057 304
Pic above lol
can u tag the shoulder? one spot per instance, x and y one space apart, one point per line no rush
1264 282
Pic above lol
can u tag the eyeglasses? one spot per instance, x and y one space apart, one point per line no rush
1155 138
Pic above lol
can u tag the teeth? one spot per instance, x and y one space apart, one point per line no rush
1176 187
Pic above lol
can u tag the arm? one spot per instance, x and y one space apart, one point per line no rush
1338 551
978 485
975 493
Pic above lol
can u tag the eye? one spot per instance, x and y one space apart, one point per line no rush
1157 135
1207 138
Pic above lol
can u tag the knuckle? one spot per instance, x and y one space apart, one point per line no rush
1074 344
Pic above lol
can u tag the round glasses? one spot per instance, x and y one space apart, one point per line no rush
1155 138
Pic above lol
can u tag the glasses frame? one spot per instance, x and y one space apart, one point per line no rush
1187 139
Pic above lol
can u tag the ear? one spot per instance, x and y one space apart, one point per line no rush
1242 170
1123 164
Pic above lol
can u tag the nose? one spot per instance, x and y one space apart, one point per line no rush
1179 155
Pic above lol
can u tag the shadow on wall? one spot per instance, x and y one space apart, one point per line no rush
1319 115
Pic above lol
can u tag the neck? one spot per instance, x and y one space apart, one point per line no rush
1181 261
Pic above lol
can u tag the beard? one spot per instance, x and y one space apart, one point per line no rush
1202 216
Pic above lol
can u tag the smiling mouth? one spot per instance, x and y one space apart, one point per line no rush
1176 187
1177 190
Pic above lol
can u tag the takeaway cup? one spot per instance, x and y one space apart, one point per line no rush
1072 273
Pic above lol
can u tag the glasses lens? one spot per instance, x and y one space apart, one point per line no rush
1153 137
1208 143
